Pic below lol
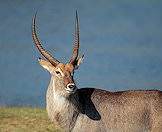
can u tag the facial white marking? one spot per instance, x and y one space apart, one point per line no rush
62 74
45 67
69 90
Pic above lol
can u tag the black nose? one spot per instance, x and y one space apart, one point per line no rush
71 86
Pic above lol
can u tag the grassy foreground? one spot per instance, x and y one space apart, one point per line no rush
19 119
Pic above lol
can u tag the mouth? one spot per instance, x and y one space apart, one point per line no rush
71 90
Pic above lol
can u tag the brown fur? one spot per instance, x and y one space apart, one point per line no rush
95 110
67 71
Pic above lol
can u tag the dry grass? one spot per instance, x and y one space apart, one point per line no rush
20 119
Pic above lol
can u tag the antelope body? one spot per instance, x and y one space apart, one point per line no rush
92 109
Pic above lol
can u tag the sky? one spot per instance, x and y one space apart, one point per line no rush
121 40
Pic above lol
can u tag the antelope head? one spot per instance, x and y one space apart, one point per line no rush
61 73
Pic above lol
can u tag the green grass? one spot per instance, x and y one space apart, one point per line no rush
20 119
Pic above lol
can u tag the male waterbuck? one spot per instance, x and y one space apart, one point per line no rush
93 109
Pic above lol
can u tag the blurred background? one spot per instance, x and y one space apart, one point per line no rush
121 40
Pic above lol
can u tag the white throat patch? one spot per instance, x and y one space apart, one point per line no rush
59 100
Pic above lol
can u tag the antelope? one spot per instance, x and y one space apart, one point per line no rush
93 109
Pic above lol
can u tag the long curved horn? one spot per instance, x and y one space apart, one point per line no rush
76 41
39 46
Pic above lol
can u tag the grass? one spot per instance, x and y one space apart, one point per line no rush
20 119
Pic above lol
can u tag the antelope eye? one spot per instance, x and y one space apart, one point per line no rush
57 72
72 74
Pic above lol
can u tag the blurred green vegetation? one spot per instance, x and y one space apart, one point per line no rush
21 119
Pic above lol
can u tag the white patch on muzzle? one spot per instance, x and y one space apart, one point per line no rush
71 90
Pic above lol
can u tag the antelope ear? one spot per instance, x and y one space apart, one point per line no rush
79 61
46 65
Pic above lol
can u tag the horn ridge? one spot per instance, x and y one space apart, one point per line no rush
39 46
76 41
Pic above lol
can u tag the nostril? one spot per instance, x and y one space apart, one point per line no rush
71 86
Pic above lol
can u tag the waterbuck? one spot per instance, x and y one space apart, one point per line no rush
93 109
